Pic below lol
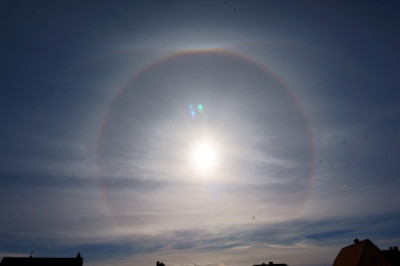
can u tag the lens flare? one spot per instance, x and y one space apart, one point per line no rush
193 110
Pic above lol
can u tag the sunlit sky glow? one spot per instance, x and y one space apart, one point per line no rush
207 132
204 155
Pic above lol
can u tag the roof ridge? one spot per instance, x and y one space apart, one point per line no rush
363 250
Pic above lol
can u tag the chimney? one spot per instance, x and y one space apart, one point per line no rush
356 240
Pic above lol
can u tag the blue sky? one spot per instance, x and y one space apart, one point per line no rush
98 143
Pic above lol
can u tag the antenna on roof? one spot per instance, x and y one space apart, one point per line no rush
31 254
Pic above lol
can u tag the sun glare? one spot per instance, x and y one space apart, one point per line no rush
204 156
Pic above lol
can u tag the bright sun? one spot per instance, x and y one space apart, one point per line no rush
204 156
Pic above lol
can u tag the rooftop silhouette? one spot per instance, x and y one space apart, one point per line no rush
362 253
31 261
393 254
271 264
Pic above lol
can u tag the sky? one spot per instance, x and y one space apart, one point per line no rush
216 133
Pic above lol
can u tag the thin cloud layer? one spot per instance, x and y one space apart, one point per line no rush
100 119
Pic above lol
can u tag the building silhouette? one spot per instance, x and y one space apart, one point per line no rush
160 263
362 253
393 254
271 264
30 261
